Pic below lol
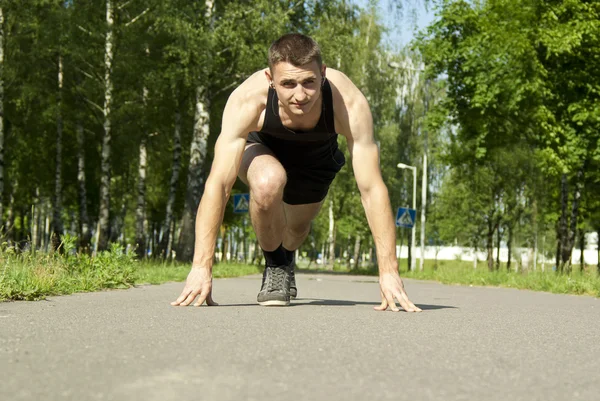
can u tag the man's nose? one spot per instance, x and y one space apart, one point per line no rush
300 94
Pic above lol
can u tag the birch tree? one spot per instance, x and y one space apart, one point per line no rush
1 117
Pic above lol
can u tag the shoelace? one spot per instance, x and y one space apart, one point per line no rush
275 278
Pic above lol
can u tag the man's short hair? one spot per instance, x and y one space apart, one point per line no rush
296 49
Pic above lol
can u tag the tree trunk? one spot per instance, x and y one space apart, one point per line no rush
562 225
498 239
170 243
509 246
47 227
10 221
84 229
357 252
140 210
490 245
57 223
35 219
569 236
331 237
224 243
1 116
104 221
195 184
581 248
166 238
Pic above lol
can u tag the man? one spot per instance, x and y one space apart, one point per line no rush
279 134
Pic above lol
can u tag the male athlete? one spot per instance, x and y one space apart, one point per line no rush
279 135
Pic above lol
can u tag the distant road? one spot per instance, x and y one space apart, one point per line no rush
469 343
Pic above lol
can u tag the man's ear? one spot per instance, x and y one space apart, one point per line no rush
323 69
269 78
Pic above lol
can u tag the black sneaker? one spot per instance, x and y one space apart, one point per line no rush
275 289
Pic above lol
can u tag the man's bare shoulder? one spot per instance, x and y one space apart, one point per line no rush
253 91
343 86
348 100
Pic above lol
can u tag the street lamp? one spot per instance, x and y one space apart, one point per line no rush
414 199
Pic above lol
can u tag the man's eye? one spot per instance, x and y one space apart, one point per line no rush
289 84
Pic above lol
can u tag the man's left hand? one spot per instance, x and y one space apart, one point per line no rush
392 287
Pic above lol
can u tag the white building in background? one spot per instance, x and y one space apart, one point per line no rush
520 256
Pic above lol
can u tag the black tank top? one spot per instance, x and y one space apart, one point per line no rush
324 131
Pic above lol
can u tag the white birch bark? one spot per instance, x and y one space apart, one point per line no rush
140 210
1 115
10 221
330 236
166 229
84 229
103 221
35 217
57 224
47 227
195 183
356 255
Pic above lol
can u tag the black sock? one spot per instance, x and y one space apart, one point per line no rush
276 257
289 255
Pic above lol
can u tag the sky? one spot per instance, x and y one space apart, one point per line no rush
415 17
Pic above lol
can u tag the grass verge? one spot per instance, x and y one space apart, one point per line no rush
31 276
579 282
34 276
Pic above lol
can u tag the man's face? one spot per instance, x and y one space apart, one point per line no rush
298 88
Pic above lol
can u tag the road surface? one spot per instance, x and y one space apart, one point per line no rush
469 343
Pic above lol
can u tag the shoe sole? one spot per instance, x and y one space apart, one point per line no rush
274 303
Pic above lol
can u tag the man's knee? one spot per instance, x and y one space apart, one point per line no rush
267 187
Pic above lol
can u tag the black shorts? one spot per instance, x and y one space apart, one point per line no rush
310 166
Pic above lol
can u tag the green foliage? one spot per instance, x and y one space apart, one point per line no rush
31 276
522 95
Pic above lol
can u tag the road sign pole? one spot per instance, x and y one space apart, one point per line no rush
423 204
413 258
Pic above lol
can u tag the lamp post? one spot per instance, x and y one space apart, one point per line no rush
414 202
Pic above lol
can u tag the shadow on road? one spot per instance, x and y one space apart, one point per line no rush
337 302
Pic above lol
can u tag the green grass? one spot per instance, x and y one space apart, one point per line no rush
30 276
34 276
456 272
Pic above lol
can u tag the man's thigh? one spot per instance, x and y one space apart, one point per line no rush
257 158
300 215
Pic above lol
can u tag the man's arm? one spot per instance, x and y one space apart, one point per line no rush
373 191
228 155
356 124
240 116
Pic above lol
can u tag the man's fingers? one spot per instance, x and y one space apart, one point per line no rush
182 297
190 298
202 298
206 296
390 300
383 305
404 302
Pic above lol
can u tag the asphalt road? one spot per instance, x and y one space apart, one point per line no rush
469 343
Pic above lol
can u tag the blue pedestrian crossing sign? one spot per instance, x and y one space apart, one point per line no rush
406 217
241 203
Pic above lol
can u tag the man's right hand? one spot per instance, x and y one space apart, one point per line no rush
199 282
